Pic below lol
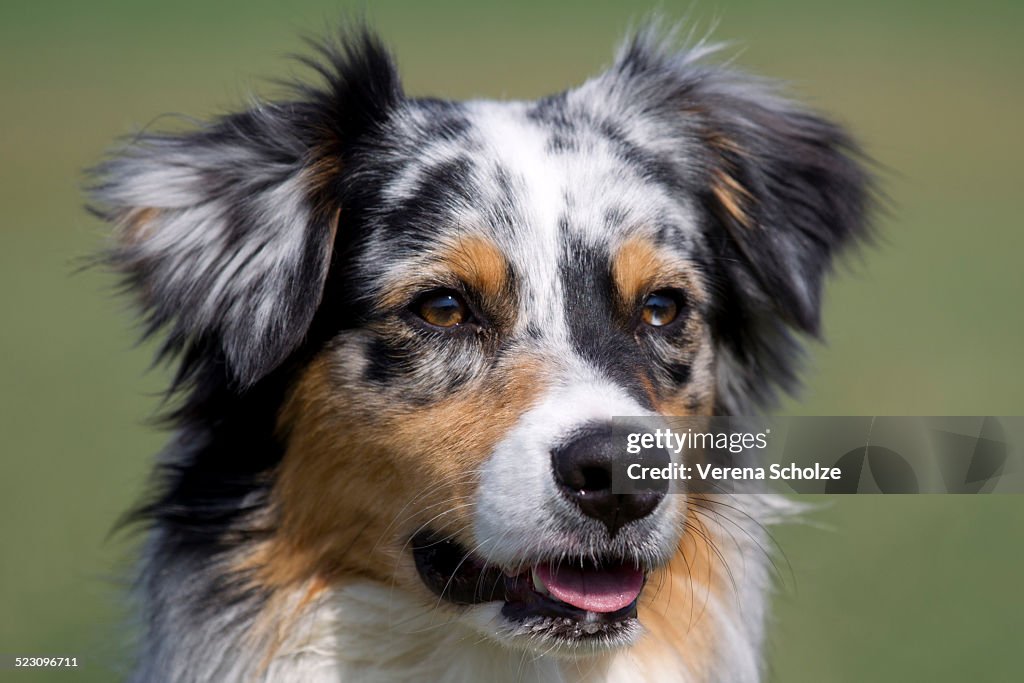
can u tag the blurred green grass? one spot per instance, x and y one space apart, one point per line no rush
931 322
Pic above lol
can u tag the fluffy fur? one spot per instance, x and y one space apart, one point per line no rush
322 425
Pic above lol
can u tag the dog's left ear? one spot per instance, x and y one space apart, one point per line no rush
787 189
782 191
787 185
225 233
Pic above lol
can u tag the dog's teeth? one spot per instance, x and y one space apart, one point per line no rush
538 585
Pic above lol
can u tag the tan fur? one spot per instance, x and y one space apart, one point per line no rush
470 260
732 197
479 263
320 173
674 607
635 265
136 225
332 522
639 268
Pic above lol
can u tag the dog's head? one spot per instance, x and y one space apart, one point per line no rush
406 324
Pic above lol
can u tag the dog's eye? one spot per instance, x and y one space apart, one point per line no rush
660 308
443 308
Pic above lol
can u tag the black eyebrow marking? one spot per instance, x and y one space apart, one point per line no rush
441 189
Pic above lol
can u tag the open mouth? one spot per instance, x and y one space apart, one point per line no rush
570 601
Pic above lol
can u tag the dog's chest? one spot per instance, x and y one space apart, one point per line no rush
369 633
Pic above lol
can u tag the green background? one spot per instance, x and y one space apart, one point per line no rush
930 322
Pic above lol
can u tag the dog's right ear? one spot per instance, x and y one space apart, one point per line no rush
225 233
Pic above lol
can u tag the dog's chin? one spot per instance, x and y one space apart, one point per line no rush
570 607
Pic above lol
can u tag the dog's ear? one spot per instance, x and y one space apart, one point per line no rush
782 191
787 190
225 233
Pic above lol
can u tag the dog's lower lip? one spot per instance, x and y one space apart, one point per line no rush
458 577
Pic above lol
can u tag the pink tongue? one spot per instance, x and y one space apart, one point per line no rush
594 590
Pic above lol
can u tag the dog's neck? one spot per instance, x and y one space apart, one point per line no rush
367 632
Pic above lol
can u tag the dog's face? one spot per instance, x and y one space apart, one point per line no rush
519 282
451 301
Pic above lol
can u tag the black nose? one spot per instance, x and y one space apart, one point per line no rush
585 469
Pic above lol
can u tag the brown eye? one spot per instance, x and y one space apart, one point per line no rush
660 309
442 309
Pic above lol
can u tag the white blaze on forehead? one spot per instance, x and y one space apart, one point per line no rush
520 147
566 190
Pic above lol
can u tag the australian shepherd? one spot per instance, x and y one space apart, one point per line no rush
401 328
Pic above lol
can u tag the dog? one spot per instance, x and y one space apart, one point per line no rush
401 327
